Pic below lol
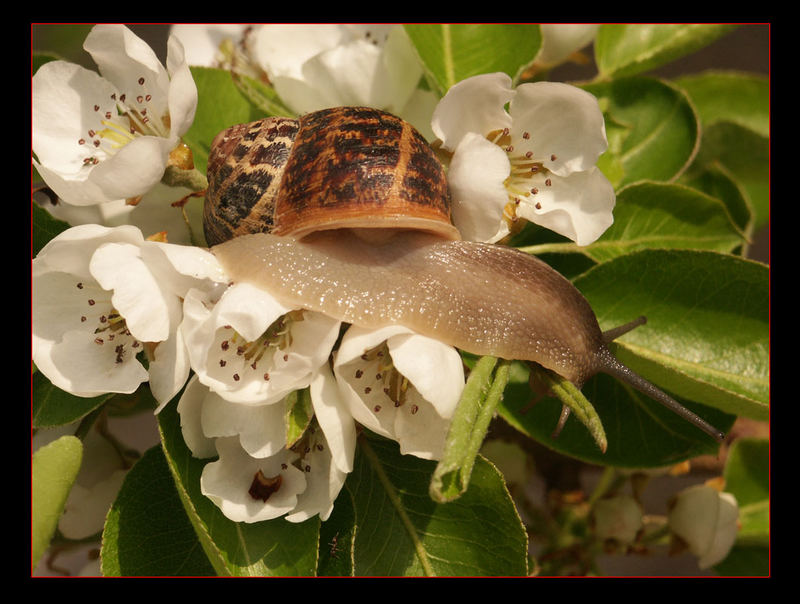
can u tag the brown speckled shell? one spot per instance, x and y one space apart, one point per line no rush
341 167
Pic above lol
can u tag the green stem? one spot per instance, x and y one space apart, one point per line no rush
398 505
191 179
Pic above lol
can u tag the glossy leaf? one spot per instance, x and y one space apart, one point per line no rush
745 155
707 335
629 48
651 215
401 531
747 477
53 471
147 532
453 52
651 126
271 548
726 96
640 432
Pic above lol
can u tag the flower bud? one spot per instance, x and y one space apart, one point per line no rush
706 519
618 518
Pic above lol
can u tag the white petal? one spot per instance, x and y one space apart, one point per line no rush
325 480
182 95
202 42
261 428
79 365
134 169
168 369
137 294
435 369
476 176
563 121
123 58
63 99
476 104
282 49
190 407
334 419
559 40
579 206
227 483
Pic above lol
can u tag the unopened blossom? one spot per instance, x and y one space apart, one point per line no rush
536 160
106 137
561 40
249 348
401 385
259 476
105 297
618 518
706 519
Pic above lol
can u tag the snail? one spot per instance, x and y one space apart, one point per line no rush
345 211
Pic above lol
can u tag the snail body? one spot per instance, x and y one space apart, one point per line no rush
385 251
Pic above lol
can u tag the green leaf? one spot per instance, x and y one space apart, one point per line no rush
660 215
51 406
747 477
745 155
707 335
337 539
453 52
220 104
727 96
54 469
715 180
482 393
299 413
640 432
43 228
271 548
147 532
651 126
401 531
627 49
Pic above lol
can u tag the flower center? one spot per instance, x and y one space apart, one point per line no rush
111 330
242 355
120 119
378 379
527 175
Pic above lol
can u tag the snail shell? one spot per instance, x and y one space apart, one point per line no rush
344 167
293 207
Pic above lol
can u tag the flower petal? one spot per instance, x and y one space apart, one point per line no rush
565 124
190 407
334 418
129 63
182 95
261 428
476 104
579 206
479 196
227 482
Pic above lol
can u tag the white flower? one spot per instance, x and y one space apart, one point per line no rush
249 348
203 43
257 476
102 296
401 385
326 65
100 138
535 161
707 520
560 40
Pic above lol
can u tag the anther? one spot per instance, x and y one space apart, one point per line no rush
526 135
141 81
236 377
548 182
91 302
359 373
552 158
266 377
538 206
367 390
414 409
98 340
97 107
376 408
222 362
81 141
